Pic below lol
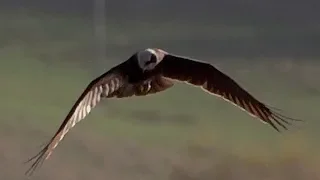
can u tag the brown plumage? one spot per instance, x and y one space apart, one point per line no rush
215 82
151 71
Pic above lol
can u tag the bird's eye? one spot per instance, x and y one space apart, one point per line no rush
153 59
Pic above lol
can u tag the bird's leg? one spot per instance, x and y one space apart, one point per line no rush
145 87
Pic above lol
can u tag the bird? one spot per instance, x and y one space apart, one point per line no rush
153 70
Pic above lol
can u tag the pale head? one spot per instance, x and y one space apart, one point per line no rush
149 58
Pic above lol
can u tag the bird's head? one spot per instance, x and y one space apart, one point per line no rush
149 58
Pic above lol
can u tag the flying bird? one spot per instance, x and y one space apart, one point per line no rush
154 70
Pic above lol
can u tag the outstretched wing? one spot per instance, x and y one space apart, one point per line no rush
217 83
103 86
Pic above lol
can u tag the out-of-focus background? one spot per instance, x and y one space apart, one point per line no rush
50 50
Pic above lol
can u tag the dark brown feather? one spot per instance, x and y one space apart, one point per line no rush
217 83
91 96
112 84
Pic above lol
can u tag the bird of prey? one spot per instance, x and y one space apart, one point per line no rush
151 71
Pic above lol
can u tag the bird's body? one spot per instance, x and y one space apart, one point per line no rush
151 71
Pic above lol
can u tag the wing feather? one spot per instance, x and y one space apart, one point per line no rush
101 87
215 82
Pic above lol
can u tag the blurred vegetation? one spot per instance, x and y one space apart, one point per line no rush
47 60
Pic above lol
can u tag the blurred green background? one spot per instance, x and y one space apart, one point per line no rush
50 51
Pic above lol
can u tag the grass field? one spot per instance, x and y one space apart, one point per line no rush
182 133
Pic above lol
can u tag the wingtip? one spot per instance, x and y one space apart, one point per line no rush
39 158
276 111
283 121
